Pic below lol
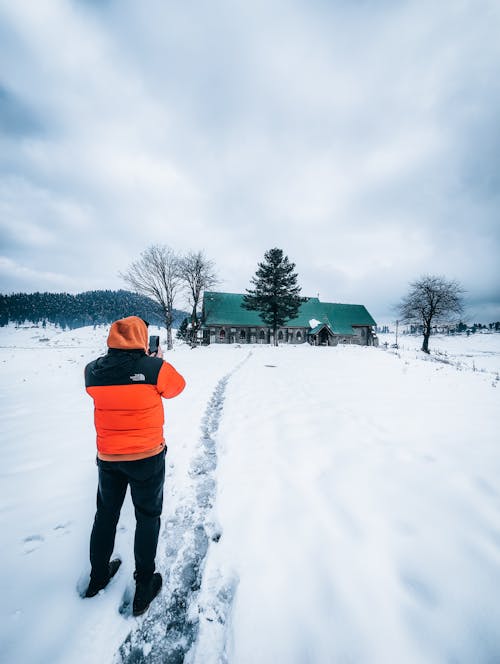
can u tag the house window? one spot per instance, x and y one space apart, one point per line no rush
298 336
222 335
262 335
242 335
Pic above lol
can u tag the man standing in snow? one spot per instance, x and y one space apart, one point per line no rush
127 386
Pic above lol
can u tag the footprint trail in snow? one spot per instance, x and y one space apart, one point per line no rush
170 628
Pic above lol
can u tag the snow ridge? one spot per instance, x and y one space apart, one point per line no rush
170 628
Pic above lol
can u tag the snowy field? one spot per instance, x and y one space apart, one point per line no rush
479 352
322 506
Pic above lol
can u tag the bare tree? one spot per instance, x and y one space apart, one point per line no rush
156 274
431 300
198 274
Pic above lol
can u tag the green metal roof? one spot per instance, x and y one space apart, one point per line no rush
226 309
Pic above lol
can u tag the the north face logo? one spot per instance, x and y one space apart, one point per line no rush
137 377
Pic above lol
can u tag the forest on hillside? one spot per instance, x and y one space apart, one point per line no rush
71 311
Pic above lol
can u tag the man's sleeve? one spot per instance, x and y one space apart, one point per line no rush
170 382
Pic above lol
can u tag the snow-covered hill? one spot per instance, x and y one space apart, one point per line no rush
322 505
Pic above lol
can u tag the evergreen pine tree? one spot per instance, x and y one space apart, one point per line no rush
276 295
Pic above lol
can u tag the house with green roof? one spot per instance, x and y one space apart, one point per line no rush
225 320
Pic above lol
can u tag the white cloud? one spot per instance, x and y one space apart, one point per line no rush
358 138
15 276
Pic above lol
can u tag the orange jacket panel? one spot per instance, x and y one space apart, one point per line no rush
128 411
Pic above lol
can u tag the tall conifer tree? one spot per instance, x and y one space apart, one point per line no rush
276 295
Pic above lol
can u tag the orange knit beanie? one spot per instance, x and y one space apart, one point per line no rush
128 334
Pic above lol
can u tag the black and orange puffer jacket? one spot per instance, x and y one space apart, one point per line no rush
127 386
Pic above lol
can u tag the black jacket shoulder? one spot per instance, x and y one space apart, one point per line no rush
123 368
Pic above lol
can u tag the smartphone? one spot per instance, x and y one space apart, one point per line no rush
154 343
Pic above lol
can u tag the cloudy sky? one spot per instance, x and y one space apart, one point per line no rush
363 138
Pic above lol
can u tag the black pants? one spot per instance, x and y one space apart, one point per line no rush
146 478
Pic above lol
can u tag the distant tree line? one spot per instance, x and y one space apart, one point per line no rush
456 328
452 328
493 327
98 307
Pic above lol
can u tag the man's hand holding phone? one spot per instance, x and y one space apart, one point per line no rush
154 347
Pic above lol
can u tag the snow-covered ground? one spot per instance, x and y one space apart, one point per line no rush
479 352
322 505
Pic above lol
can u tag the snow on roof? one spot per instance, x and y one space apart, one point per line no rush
314 322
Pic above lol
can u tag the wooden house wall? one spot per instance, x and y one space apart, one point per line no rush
228 334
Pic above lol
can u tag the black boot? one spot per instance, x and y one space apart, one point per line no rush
96 585
145 592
